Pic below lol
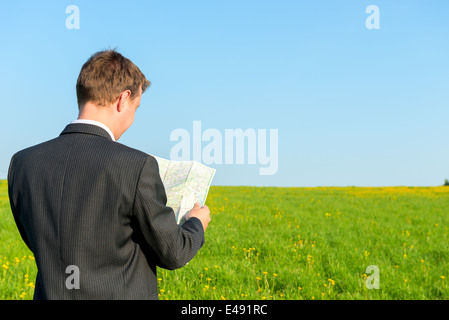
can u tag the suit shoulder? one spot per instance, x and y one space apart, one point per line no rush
132 151
35 148
143 160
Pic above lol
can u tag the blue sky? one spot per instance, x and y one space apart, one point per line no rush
352 106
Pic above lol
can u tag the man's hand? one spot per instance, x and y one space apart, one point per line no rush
202 213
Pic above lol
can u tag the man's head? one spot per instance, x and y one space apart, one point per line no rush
109 89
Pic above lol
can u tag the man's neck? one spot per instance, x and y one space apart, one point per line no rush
101 114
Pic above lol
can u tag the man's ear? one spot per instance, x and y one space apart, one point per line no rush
123 100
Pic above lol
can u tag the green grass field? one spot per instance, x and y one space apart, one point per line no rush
293 243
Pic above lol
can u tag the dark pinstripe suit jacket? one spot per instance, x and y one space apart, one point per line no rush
82 199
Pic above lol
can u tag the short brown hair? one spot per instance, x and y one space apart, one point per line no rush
105 75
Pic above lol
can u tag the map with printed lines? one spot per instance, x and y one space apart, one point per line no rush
185 182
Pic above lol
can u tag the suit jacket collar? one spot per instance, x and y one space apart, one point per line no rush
86 129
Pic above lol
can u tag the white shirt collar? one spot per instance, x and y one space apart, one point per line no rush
95 123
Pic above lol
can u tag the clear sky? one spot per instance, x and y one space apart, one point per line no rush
352 105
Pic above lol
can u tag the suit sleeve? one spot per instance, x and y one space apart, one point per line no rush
174 245
12 194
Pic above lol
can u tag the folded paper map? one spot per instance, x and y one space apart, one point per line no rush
185 182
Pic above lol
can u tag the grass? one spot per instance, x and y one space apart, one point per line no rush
18 269
294 243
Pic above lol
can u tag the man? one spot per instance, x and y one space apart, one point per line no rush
92 210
